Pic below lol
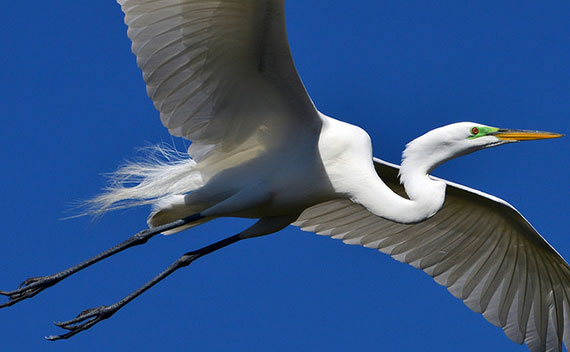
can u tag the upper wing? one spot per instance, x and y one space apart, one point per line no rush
220 72
479 247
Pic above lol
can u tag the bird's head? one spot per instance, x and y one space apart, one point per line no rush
450 141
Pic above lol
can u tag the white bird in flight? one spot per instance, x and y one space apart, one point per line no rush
221 74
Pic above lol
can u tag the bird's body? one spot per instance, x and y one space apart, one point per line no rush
221 75
310 169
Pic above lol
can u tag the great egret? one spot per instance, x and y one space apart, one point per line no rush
227 71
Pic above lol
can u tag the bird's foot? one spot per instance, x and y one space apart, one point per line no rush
29 288
83 321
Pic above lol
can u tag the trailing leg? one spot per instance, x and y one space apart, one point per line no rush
35 285
90 317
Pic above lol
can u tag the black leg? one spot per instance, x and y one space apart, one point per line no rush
90 317
35 285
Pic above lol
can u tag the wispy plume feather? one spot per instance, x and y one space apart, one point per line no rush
162 172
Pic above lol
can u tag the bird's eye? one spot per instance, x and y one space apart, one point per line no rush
474 131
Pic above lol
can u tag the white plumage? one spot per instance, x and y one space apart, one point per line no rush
221 74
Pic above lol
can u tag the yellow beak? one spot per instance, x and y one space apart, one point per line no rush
522 135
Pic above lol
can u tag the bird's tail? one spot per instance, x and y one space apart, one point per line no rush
163 173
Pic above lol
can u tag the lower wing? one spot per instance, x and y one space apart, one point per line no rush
479 247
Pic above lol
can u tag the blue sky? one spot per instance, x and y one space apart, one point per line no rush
74 107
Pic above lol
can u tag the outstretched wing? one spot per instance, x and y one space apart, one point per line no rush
220 72
478 246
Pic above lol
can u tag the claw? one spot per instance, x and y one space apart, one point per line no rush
88 318
27 282
28 288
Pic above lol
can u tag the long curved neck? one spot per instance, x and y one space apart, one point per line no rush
346 152
426 195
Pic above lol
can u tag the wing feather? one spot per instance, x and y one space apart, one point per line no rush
479 247
221 74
